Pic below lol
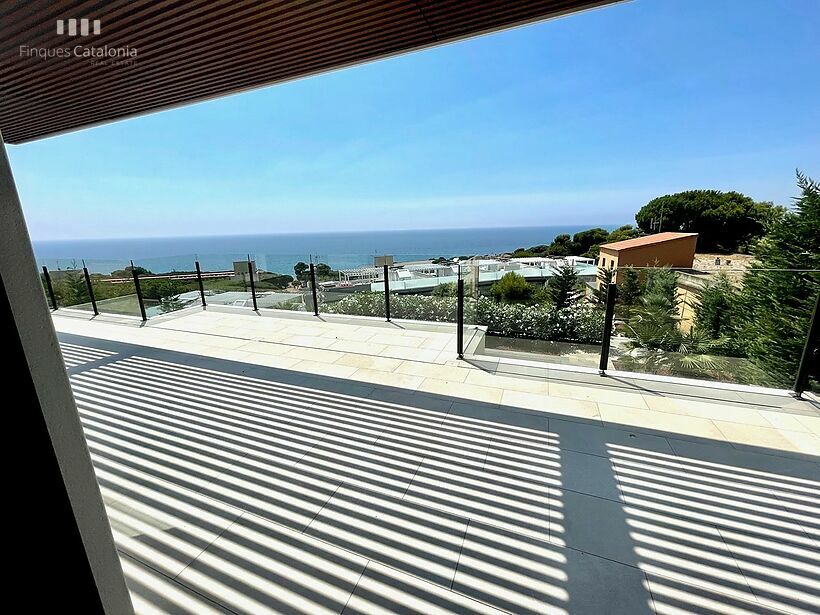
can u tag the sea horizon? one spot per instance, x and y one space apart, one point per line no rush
279 252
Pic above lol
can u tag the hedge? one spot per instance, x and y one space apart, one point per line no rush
580 323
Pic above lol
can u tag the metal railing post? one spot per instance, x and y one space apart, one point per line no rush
313 290
386 293
460 318
138 288
49 288
90 291
808 360
253 286
201 287
609 314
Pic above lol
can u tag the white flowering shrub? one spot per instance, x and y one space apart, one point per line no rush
580 323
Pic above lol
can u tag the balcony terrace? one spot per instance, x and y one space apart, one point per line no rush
306 464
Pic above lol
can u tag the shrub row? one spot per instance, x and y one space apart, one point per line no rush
579 323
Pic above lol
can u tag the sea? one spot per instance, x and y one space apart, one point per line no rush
280 252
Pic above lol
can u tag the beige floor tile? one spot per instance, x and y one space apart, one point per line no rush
385 591
351 333
524 575
428 370
309 341
410 354
265 348
784 420
527 385
660 423
553 405
323 369
597 394
421 541
382 364
706 410
776 440
366 348
260 567
461 390
812 423
271 360
318 355
396 339
392 379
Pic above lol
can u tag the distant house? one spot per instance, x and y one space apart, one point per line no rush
660 249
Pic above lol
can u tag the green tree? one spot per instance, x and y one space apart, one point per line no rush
301 269
584 242
775 305
561 246
715 308
724 221
605 277
654 324
629 290
512 288
448 289
70 289
564 289
622 233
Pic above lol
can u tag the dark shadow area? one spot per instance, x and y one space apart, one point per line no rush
266 489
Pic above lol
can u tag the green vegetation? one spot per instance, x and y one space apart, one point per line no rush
774 307
512 288
564 289
323 272
581 324
629 290
752 332
725 221
448 289
583 243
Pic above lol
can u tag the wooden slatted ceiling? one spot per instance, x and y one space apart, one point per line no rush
193 50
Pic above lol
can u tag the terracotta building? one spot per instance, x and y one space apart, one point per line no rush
660 249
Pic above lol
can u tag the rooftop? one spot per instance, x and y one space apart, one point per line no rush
315 465
647 240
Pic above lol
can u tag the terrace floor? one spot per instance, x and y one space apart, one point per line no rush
255 465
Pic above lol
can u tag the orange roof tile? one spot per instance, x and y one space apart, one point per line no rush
645 241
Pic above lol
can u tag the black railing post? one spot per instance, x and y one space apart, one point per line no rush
609 314
809 358
313 290
138 288
387 293
49 288
253 287
201 287
90 291
460 317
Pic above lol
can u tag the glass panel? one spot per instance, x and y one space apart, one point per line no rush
113 287
226 281
743 325
356 291
277 286
424 291
546 310
70 289
167 284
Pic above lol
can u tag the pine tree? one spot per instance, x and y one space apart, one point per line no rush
605 277
564 288
775 305
630 290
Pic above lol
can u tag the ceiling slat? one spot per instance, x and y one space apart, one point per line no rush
193 50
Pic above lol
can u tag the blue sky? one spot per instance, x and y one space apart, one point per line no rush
579 120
